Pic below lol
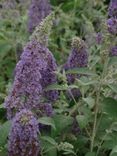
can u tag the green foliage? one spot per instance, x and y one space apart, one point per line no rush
4 131
95 111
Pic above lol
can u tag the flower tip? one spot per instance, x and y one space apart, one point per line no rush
43 30
77 42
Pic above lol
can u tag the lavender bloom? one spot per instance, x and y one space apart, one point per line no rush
113 51
48 74
27 90
49 77
112 25
38 10
113 8
77 58
29 79
23 137
99 38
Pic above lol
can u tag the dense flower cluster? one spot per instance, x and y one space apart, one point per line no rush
112 25
48 74
113 8
114 51
49 77
77 58
112 21
27 89
39 9
23 138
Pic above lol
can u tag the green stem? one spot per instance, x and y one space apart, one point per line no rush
97 105
95 121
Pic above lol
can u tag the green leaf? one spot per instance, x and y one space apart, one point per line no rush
49 146
69 151
56 87
47 121
84 81
49 140
114 151
4 49
62 122
82 120
4 131
113 87
113 61
90 101
84 71
96 59
2 106
110 107
90 154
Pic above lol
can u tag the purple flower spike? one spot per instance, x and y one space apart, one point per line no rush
38 10
113 8
77 58
27 90
23 137
114 51
112 25
49 77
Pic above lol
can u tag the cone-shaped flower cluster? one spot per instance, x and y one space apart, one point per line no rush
112 25
112 21
77 58
39 9
33 73
48 74
27 89
114 51
113 8
23 139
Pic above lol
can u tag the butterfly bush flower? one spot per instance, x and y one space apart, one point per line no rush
77 58
48 74
26 90
23 137
113 8
33 73
114 51
38 10
112 25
